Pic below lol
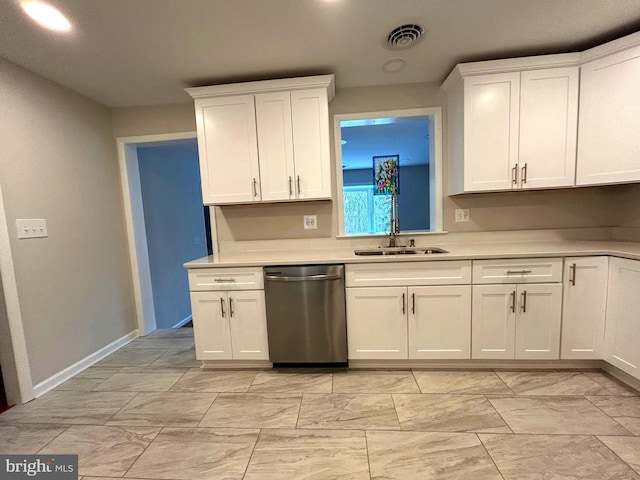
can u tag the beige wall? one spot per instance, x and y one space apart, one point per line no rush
58 162
154 119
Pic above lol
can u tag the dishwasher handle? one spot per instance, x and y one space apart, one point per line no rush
305 278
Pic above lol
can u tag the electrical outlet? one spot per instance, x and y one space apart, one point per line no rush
31 227
310 222
462 215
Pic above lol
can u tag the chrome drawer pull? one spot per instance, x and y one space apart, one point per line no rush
225 280
518 272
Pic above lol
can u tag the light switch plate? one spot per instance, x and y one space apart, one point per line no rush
462 215
310 222
31 227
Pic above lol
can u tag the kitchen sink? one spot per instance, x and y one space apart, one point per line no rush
399 251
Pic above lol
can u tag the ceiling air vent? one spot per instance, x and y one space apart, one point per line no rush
404 36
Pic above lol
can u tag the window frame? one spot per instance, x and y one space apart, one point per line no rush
435 165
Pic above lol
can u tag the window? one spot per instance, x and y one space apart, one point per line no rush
414 135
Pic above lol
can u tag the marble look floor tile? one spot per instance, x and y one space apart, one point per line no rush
150 381
131 357
171 333
197 380
108 451
448 413
69 407
291 382
27 438
374 382
309 455
179 343
177 409
436 456
253 410
80 384
611 384
196 453
177 358
628 449
98 373
625 410
551 383
348 411
473 382
555 415
551 457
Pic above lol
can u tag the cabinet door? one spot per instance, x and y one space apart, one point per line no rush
310 116
248 322
275 145
491 116
608 140
440 322
584 307
211 325
538 321
228 149
548 127
377 323
493 321
622 335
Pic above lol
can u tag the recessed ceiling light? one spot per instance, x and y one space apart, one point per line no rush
46 15
393 66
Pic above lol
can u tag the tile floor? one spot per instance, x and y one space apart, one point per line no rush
149 412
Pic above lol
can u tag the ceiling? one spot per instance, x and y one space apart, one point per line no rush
143 52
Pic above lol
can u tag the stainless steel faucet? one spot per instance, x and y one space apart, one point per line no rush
394 221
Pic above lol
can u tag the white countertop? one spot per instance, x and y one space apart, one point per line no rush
457 251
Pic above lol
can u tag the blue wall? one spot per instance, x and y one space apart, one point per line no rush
174 221
413 200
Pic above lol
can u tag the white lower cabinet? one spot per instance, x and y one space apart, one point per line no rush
516 321
622 334
584 307
230 325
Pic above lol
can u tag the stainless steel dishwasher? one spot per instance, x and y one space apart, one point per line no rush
306 318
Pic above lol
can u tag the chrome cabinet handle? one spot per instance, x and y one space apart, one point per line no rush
413 303
255 187
514 174
524 302
403 304
222 307
524 173
298 183
225 280
230 307
518 272
290 186
513 301
572 278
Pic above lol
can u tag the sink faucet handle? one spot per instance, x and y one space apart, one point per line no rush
412 242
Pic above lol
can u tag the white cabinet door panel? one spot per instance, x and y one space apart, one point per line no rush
584 307
548 127
310 117
440 322
210 312
622 335
248 325
227 147
493 321
538 321
608 140
491 118
275 145
377 323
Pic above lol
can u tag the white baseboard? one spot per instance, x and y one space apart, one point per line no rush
64 375
183 322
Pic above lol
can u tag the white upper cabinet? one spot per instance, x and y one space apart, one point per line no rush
609 144
264 141
514 130
227 146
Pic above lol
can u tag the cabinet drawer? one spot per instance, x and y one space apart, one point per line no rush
408 274
529 270
202 279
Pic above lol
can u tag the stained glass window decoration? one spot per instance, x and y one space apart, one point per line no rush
386 174
364 213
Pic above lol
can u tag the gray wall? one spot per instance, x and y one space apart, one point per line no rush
58 161
174 222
